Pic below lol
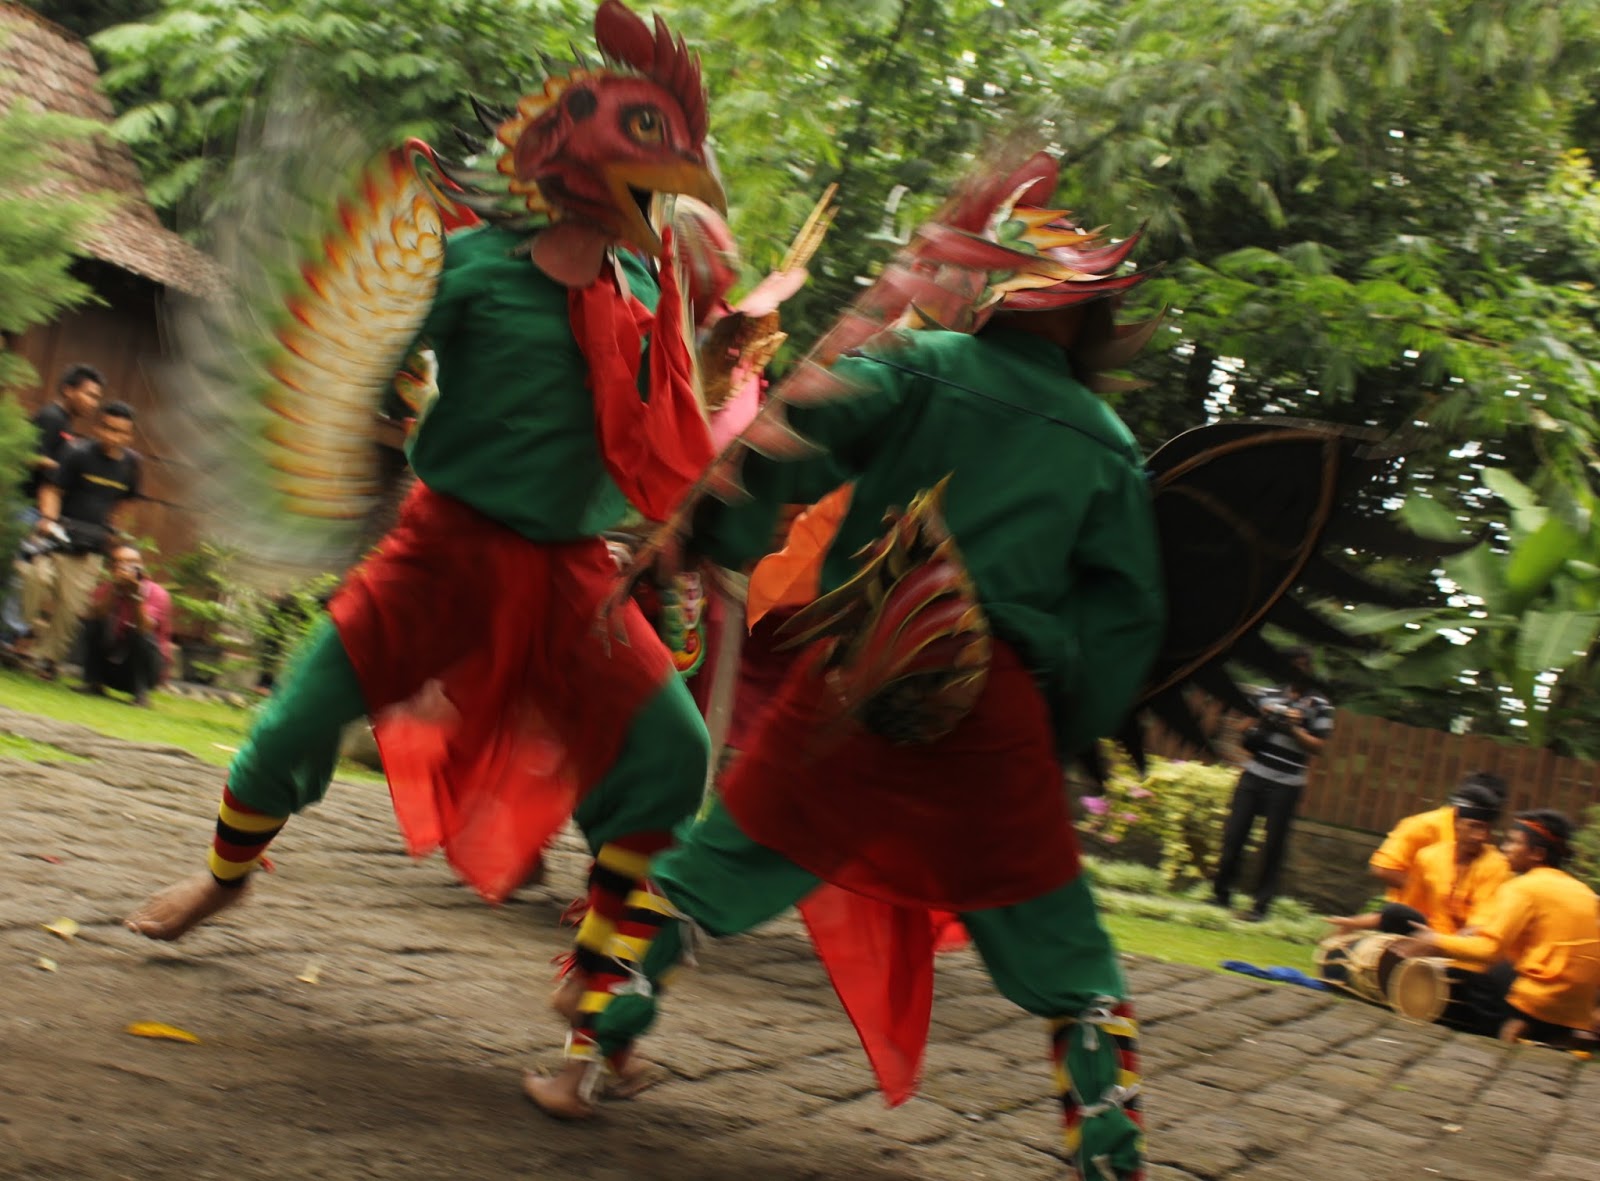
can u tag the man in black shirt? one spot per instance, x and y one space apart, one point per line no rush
77 395
91 482
1295 725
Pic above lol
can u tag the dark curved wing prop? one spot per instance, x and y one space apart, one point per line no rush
1246 512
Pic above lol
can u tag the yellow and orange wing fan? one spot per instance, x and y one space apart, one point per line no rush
333 260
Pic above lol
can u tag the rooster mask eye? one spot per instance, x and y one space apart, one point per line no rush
643 125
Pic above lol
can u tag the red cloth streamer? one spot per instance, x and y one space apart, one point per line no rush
495 705
880 960
949 932
656 449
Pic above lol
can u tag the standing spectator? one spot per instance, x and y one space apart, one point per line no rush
93 479
1294 726
127 638
77 394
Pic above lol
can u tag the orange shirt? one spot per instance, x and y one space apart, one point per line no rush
1447 893
1400 848
1547 923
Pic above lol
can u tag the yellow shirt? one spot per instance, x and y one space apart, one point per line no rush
1447 894
1400 848
1547 923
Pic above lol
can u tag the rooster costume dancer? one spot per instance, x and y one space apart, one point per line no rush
468 634
1041 582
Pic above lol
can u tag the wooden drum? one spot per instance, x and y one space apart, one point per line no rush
1419 989
1360 962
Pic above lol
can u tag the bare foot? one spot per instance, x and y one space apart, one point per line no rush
634 1075
560 1095
564 1000
173 912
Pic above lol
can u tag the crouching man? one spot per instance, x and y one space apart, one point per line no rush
127 634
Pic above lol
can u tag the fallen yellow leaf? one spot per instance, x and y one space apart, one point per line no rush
45 962
312 973
66 928
155 1029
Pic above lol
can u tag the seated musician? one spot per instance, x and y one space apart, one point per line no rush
1447 880
1392 862
1546 924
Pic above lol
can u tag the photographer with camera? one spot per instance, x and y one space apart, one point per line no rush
127 637
1294 725
78 503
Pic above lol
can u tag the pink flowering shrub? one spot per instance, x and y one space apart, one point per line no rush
1179 807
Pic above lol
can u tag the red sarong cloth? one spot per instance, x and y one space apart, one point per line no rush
974 820
495 703
904 838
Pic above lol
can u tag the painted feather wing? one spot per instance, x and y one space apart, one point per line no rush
334 258
1246 512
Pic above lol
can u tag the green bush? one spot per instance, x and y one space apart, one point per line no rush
1179 805
242 624
281 622
1586 848
1139 891
1127 876
1284 922
16 449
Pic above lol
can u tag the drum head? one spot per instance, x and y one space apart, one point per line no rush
1332 957
1419 989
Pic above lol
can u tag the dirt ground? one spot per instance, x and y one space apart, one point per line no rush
402 1059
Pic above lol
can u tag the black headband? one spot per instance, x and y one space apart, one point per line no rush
1471 811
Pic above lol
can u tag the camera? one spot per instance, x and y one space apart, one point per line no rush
38 545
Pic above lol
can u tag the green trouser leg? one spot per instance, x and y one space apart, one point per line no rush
723 880
288 761
655 784
1051 956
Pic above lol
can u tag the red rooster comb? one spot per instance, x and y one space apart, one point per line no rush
663 58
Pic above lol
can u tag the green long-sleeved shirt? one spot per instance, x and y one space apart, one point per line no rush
512 432
1048 502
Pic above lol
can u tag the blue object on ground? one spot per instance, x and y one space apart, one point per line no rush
1278 975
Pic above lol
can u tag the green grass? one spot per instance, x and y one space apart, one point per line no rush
1146 919
209 730
1166 940
29 751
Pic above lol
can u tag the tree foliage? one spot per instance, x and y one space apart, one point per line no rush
40 236
193 70
87 17
41 231
1375 211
